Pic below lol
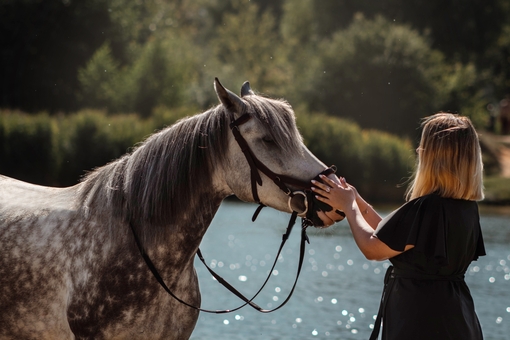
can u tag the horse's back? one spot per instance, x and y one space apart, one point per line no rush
33 260
26 196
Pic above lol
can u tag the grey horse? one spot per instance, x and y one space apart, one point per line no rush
69 265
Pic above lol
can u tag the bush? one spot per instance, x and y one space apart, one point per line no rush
377 163
334 141
91 139
497 190
28 149
387 163
58 150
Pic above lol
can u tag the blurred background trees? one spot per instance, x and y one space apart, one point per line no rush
378 65
383 65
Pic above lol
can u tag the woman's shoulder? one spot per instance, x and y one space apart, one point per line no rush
423 207
434 199
422 202
440 207
412 208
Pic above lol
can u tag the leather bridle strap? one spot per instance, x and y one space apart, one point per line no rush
256 164
280 181
157 276
304 238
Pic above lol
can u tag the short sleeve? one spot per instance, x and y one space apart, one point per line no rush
420 222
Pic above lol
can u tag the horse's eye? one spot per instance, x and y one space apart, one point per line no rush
268 140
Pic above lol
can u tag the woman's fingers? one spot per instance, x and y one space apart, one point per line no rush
320 197
321 186
328 180
333 184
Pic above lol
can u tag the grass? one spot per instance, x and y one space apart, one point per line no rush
497 190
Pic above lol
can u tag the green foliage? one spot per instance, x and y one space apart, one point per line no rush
377 163
28 149
383 65
498 61
497 190
163 116
98 79
167 53
334 141
59 150
160 74
298 26
245 46
387 163
90 139
379 74
298 30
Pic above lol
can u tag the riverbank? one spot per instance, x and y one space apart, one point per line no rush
496 150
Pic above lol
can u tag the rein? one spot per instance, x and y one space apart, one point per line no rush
304 239
281 181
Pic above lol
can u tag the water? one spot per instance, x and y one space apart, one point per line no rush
338 293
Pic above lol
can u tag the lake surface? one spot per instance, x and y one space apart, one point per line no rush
338 292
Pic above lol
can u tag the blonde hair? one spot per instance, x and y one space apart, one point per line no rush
449 159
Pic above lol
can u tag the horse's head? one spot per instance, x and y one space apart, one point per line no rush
268 162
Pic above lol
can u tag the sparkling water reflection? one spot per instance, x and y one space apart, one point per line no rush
338 293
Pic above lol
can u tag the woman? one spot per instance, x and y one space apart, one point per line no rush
430 240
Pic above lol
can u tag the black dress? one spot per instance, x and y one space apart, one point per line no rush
428 297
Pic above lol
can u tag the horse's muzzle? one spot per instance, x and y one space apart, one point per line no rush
307 206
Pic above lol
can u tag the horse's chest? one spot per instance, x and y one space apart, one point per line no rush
123 300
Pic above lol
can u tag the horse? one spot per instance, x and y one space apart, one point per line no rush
69 265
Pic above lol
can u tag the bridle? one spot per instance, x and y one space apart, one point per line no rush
281 181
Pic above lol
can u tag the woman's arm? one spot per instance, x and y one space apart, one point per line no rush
344 197
367 211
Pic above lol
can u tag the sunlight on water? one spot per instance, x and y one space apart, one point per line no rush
338 293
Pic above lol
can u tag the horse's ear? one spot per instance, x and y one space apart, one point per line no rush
246 89
229 99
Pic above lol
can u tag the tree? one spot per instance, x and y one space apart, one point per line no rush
379 74
160 74
43 43
246 47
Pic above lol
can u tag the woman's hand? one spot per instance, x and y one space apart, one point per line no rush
345 197
338 196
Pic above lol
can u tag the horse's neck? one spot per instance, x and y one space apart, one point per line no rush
177 247
173 255
174 241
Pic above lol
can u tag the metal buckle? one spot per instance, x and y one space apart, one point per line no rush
302 193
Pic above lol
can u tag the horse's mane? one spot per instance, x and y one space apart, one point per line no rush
167 176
